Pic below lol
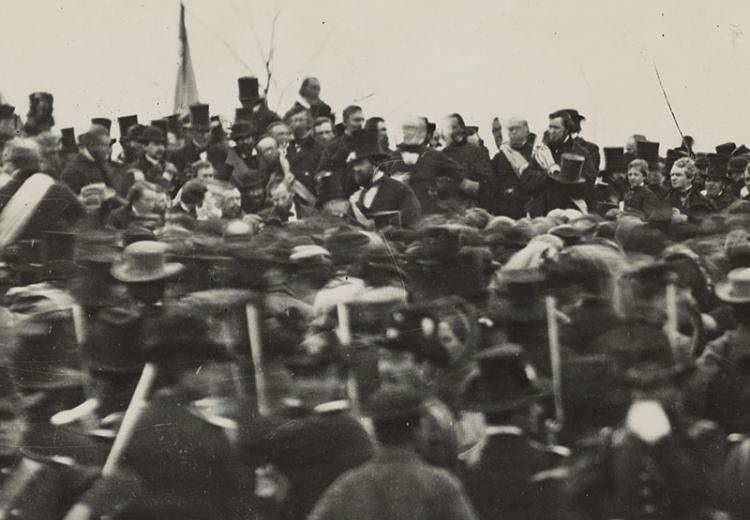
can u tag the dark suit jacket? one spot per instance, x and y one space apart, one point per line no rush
393 195
499 485
182 158
641 199
560 196
81 172
304 162
303 211
510 193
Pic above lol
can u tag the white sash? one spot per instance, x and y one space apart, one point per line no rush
21 207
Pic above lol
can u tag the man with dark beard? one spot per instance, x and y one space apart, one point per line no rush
242 153
40 114
560 141
335 155
518 176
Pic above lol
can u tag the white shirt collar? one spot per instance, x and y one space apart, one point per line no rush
293 213
151 159
503 430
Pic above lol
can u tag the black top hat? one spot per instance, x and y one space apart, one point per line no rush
161 124
243 114
102 121
726 148
6 111
329 188
649 152
717 166
615 159
125 122
505 382
248 87
241 129
69 144
571 169
112 344
152 134
199 117
737 164
394 402
366 145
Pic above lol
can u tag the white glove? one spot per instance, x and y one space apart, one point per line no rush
647 420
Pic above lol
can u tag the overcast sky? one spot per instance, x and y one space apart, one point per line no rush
482 58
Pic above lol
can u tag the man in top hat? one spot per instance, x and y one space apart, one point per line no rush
501 472
560 140
590 147
91 165
518 176
421 167
309 100
197 136
69 144
477 172
396 483
335 155
331 197
152 165
243 151
565 189
378 192
260 116
683 196
718 189
125 123
649 152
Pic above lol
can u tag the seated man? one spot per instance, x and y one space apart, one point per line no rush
683 196
286 207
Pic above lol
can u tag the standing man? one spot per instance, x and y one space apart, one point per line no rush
649 152
152 164
243 151
91 166
378 192
378 123
561 141
335 155
397 483
40 117
197 137
303 152
323 131
309 99
260 116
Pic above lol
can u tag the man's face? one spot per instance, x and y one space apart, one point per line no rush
299 124
281 133
713 187
269 150
312 89
448 129
201 136
205 173
654 176
518 132
337 207
630 146
556 130
155 150
323 133
255 195
148 202
282 197
355 121
679 178
635 177
383 135
363 171
245 145
100 149
497 132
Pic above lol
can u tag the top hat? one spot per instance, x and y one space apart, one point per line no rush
649 152
737 287
144 261
199 117
614 158
248 87
69 140
394 402
6 111
737 164
161 124
152 134
571 168
741 150
366 145
102 121
241 129
726 148
329 188
717 166
125 122
111 346
505 382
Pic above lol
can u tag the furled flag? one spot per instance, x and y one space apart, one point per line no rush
186 91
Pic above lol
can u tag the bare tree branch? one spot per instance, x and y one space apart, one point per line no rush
271 52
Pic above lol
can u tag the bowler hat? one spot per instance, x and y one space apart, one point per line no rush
649 152
737 287
112 345
366 145
69 140
614 158
199 117
144 262
505 382
102 121
571 169
249 88
152 134
125 122
393 402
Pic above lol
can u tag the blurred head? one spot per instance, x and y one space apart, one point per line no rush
281 194
97 142
414 130
231 204
268 149
280 132
193 193
310 89
364 170
336 207
300 124
518 131
323 131
204 171
713 187
50 145
378 123
746 177
21 154
200 136
354 119
143 197
630 146
452 129
637 172
497 132
682 174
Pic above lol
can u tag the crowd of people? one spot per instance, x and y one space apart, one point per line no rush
286 317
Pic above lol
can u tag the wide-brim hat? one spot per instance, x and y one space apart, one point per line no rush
571 169
736 289
144 261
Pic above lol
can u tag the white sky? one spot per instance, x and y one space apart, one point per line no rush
481 58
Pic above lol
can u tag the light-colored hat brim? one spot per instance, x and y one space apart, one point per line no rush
724 293
121 273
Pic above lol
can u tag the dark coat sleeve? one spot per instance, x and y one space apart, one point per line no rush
411 210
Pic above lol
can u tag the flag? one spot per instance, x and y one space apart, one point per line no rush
186 91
